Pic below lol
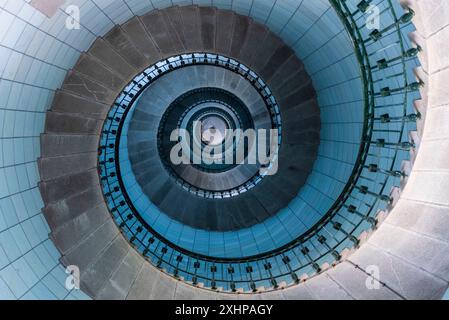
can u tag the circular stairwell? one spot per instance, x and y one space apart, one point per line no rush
111 63
409 247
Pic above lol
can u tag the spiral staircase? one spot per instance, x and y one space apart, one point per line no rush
362 170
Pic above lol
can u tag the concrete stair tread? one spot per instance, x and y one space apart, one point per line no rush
253 41
137 34
105 53
65 102
239 34
278 58
173 16
223 40
96 71
62 211
272 197
64 123
158 188
98 273
83 86
87 251
208 26
172 199
162 32
65 186
120 282
270 44
57 167
300 112
71 233
150 284
118 40
192 28
295 82
145 151
53 145
301 95
286 72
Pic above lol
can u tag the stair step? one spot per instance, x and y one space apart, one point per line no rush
87 252
142 115
301 95
295 83
118 285
210 215
208 20
99 273
282 54
241 26
172 200
173 16
143 151
56 167
219 77
291 180
67 123
249 211
142 167
296 134
227 215
277 198
265 52
70 103
137 34
263 121
236 84
192 28
286 72
81 85
161 31
152 178
96 71
197 205
168 89
54 145
65 186
306 152
139 141
159 189
144 122
254 102
232 82
221 181
145 129
300 112
102 51
255 37
70 234
58 213
152 284
122 45
206 215
223 36
214 74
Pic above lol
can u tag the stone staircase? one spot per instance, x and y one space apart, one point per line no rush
81 226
